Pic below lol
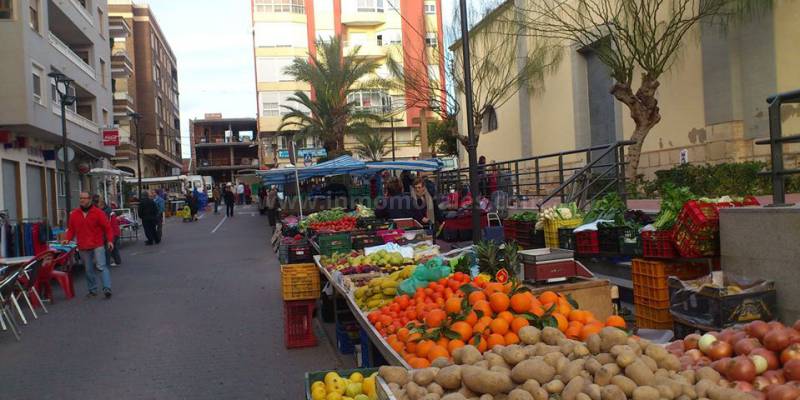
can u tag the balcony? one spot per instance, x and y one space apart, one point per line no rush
227 142
83 11
121 65
365 50
77 119
67 52
118 28
123 103
364 16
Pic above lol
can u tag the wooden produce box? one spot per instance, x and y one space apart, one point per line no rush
591 294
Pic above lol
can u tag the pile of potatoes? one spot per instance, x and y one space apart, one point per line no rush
546 365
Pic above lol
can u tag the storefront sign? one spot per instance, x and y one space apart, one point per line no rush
302 153
111 137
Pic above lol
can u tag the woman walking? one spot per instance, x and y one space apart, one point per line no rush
272 206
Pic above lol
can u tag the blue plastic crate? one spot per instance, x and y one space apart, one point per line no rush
344 342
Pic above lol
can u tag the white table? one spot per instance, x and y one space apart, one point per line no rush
8 261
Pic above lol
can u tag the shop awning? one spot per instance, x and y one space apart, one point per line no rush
109 172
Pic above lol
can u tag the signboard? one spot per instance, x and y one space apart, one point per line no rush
302 153
684 156
110 137
307 159
213 116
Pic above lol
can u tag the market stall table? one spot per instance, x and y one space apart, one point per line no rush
377 341
464 222
9 261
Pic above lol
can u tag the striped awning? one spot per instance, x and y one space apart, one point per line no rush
409 165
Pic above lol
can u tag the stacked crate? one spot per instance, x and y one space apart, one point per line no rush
300 284
651 291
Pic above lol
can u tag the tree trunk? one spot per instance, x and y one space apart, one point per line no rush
645 113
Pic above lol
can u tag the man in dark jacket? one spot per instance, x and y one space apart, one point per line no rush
230 199
148 213
396 204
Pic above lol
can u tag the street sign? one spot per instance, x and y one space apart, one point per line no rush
307 159
111 137
70 154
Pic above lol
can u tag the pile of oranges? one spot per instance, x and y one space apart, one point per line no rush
456 311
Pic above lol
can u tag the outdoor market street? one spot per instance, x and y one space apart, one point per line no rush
198 317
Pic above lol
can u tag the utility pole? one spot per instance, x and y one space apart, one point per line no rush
62 87
135 117
391 122
472 148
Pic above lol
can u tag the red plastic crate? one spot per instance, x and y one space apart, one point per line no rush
298 323
693 246
658 244
587 242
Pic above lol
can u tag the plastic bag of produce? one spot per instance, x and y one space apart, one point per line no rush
433 270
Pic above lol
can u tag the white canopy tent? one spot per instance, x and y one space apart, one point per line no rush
114 174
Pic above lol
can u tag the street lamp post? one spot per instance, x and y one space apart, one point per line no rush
62 87
472 149
135 117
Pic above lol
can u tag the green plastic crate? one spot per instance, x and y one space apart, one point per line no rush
330 243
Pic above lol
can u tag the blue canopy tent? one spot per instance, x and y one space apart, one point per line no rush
432 165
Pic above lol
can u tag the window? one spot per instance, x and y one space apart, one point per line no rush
291 34
370 5
102 73
105 118
37 73
357 39
391 36
57 99
157 76
273 104
433 72
489 119
159 105
280 6
430 39
369 100
34 14
6 9
101 26
272 69
430 8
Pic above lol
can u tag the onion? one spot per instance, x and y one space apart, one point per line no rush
775 325
703 361
794 336
739 335
690 341
792 370
705 342
761 383
760 362
790 353
757 329
775 377
694 354
776 340
796 325
743 386
772 358
745 346
726 335
676 348
783 392
722 366
757 395
742 369
720 349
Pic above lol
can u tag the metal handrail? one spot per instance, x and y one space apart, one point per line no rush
588 167
776 141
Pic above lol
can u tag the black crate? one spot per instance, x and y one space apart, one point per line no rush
538 239
709 307
360 242
682 328
608 236
566 238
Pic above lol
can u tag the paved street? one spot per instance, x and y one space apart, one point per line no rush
198 317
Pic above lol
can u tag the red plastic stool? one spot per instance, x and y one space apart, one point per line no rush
65 281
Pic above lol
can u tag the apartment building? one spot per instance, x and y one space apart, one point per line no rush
410 31
145 74
712 99
40 37
223 147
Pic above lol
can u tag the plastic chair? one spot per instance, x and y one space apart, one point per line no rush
63 278
7 285
24 284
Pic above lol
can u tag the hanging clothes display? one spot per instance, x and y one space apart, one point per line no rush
23 239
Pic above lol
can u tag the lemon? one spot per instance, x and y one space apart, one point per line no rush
317 384
330 376
333 396
318 393
356 377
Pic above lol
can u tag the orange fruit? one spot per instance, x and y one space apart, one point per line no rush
496 339
419 362
454 344
499 326
494 287
548 297
576 315
435 318
436 352
616 321
463 329
589 330
403 334
480 343
506 315
499 302
482 306
475 296
472 318
562 321
563 306
480 327
507 287
443 342
452 305
411 348
537 311
398 346
573 332
511 338
423 347
521 302
518 323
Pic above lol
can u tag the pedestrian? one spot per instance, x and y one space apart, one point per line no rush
406 180
91 230
191 201
113 257
148 213
215 197
240 193
262 200
229 200
424 203
248 193
158 198
272 206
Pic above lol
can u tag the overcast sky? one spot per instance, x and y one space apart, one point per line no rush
213 45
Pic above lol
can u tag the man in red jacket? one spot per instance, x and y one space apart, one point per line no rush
89 226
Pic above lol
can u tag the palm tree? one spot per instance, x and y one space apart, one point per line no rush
328 116
372 145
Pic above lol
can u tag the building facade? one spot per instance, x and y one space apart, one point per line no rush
712 100
410 31
223 147
145 73
40 37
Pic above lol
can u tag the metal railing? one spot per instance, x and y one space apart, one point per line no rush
776 141
67 52
577 175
